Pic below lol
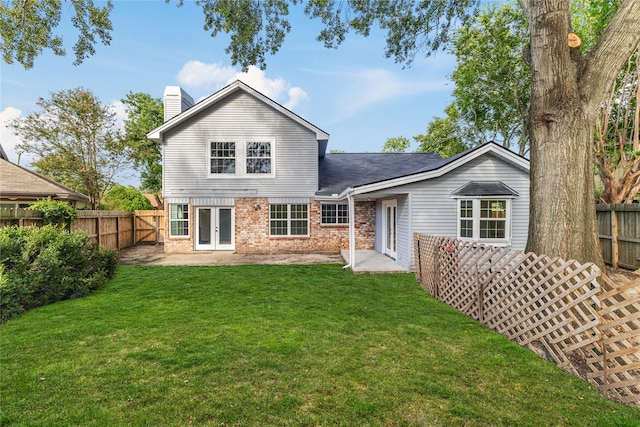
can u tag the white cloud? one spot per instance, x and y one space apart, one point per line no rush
374 86
119 108
7 138
200 76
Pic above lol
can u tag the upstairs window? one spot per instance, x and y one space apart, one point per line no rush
228 159
223 158
258 157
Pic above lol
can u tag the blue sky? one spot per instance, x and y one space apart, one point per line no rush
354 93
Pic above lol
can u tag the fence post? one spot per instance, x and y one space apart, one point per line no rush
480 297
615 257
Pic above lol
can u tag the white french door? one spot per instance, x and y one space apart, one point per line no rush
214 229
389 225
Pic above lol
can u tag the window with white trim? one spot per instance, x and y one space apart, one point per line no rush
258 157
289 220
223 158
485 220
229 159
334 213
178 220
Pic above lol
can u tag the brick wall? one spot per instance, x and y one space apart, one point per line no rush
252 231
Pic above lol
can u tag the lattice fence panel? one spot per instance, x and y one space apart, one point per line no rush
557 308
615 364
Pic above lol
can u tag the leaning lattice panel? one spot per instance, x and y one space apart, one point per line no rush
427 272
458 277
616 365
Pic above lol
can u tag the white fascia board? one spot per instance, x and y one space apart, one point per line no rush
505 154
156 134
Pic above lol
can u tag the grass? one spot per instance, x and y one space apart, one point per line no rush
277 345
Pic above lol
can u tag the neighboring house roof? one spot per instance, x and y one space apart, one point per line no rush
155 200
484 188
156 134
3 155
352 173
17 182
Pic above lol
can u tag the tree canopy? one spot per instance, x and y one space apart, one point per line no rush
144 113
76 141
27 29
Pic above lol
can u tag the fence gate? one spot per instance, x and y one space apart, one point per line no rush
149 226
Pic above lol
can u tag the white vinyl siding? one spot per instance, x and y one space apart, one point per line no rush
242 119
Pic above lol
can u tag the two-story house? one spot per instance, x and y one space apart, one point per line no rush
243 173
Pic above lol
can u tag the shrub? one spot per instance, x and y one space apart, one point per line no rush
129 199
40 266
55 212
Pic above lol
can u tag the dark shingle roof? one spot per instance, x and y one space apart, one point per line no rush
484 188
339 171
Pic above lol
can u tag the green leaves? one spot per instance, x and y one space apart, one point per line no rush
258 28
75 140
27 29
144 113
492 81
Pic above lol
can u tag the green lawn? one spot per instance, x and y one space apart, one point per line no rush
277 345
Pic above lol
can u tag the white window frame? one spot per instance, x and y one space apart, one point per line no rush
241 158
181 220
344 218
235 158
288 220
476 220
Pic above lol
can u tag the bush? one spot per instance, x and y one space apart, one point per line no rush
55 212
40 266
121 198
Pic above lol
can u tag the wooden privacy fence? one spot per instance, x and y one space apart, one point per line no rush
619 232
567 312
149 226
110 229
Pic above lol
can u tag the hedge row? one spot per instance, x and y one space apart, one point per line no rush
40 266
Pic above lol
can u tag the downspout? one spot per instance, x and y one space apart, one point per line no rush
352 232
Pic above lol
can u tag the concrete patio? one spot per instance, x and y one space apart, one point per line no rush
366 261
373 262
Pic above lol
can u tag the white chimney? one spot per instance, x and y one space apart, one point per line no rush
176 101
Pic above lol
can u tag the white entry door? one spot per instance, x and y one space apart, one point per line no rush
389 225
214 229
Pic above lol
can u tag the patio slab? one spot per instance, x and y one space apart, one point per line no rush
155 255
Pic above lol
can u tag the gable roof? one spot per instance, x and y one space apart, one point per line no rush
484 188
350 175
156 134
20 183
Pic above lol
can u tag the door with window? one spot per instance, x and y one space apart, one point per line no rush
389 222
214 229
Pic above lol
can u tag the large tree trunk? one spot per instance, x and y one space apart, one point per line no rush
562 217
566 90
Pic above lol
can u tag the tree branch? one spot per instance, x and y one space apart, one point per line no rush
614 47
